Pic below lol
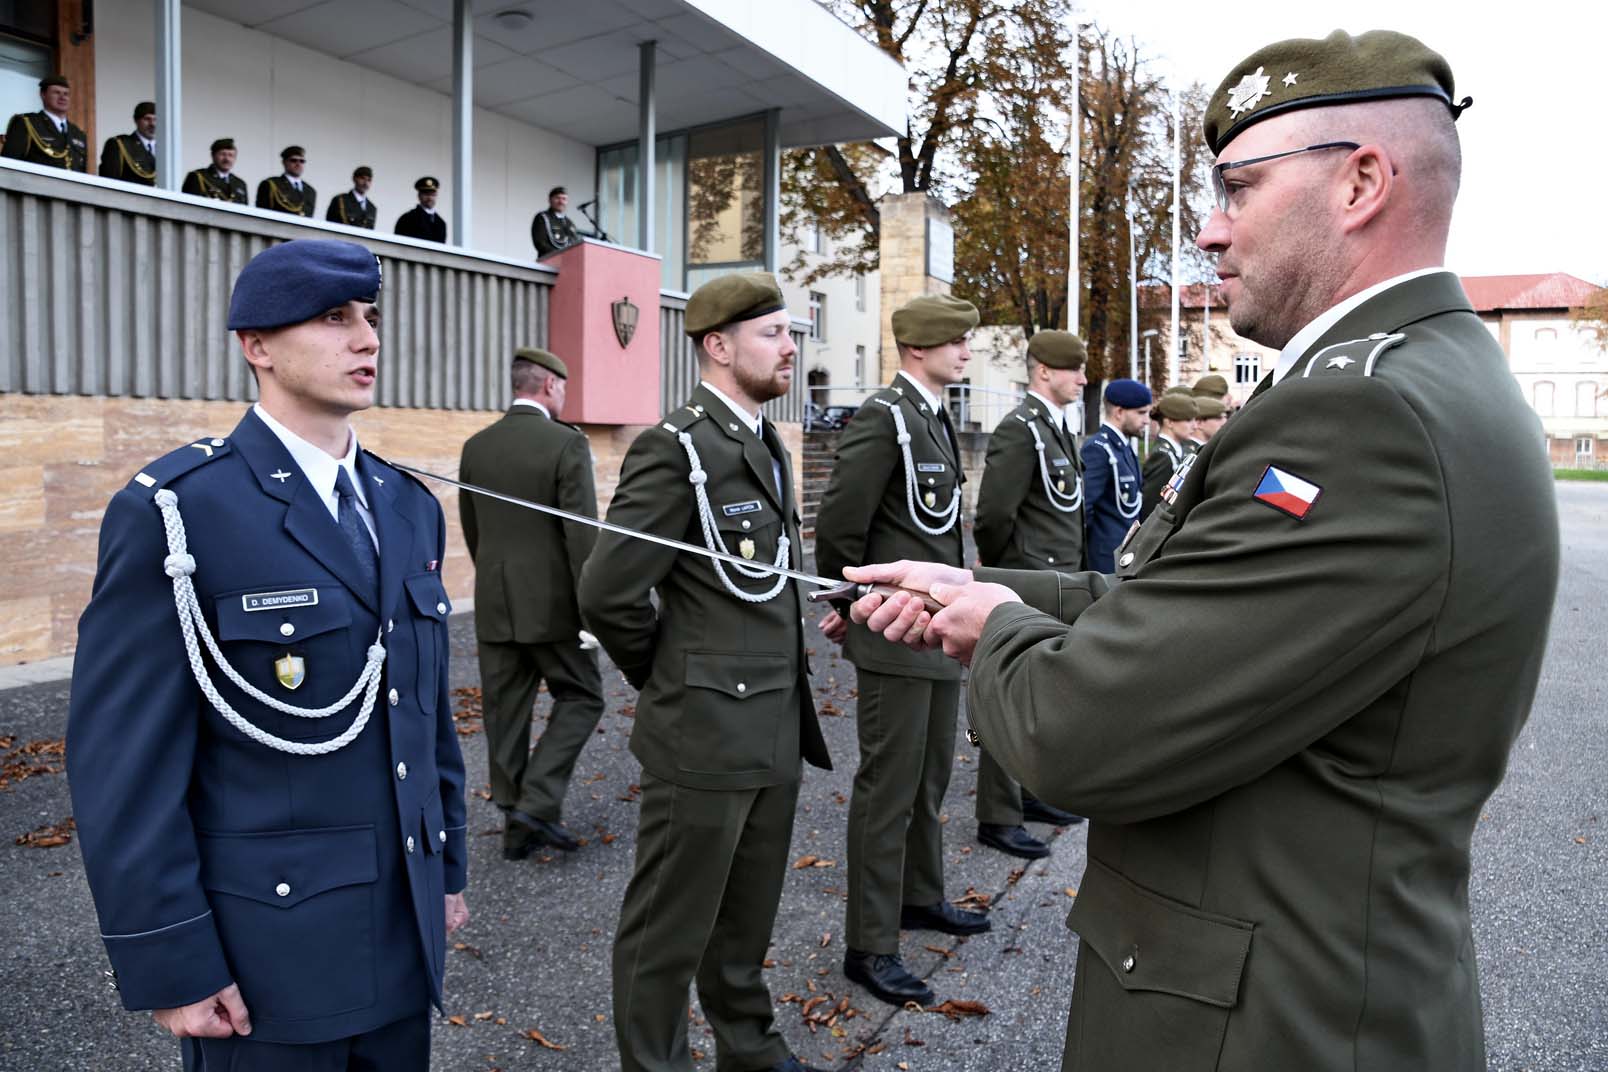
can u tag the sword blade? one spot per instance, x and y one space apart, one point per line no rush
609 526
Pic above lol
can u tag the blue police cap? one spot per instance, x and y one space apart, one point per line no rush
295 281
1129 394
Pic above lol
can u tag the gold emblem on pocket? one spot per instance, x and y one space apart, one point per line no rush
1060 485
931 499
745 547
291 670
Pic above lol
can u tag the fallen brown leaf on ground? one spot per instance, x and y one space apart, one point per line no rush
542 1040
940 950
458 1020
956 1008
49 837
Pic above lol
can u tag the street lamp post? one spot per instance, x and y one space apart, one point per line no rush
1133 294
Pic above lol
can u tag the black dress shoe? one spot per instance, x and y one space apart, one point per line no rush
1035 810
538 832
944 917
793 1064
1012 840
887 978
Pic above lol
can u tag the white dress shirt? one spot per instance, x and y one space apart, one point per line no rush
320 470
1324 321
932 402
533 402
1055 411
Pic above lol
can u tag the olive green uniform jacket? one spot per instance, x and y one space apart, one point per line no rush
1279 852
206 182
866 513
527 564
279 194
726 701
1161 463
35 138
1030 504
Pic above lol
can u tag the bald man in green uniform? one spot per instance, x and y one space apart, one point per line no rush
1279 857
1030 516
726 714
895 492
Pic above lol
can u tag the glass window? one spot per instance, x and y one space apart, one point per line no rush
1247 368
1585 399
1543 398
859 292
1583 455
726 197
617 202
859 366
22 65
817 316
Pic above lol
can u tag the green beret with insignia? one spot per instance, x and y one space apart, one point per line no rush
1057 349
1339 69
551 362
729 299
1211 385
1175 407
1207 408
933 319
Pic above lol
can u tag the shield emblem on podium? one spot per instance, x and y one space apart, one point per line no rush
625 320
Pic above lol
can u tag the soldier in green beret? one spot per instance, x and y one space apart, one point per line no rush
47 136
289 192
218 181
1030 516
132 157
1279 857
1210 414
1211 385
726 716
895 492
527 620
1174 414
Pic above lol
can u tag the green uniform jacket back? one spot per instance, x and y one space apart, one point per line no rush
865 514
527 564
1018 526
726 700
1279 847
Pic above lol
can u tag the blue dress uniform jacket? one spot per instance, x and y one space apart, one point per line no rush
314 882
1112 486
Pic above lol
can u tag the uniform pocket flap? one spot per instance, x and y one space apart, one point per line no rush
434 827
743 515
1145 542
285 869
429 595
1150 942
739 674
284 614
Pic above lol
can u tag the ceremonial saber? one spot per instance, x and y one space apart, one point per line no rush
827 589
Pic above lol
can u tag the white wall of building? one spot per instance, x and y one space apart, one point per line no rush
267 93
851 325
1564 376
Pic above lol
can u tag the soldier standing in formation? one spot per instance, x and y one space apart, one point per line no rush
726 711
527 622
895 492
1030 516
421 221
1174 414
288 192
1279 857
1210 414
47 136
218 180
354 208
551 230
132 157
1112 482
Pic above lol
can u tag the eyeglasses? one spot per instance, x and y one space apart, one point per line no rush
295 160
1220 188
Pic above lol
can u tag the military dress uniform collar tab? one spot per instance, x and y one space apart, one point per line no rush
534 404
317 467
1303 340
926 395
1055 413
752 421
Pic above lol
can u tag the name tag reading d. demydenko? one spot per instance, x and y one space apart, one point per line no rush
290 597
929 467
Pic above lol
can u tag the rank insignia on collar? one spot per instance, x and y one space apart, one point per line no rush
745 547
1286 492
280 476
1251 88
291 670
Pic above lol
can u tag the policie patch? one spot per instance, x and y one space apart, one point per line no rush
1286 492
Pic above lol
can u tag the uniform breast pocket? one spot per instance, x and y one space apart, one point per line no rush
293 643
750 529
935 482
734 711
431 609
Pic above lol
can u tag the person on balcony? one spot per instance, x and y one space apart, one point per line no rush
421 221
288 192
47 136
218 181
551 230
132 157
354 208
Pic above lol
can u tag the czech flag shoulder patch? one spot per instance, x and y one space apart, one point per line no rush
1287 492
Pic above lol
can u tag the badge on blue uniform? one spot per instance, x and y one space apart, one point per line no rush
291 670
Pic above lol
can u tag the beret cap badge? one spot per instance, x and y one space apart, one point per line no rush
1251 88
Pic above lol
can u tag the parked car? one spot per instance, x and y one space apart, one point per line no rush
827 418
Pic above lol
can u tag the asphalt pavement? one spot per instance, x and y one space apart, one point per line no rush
535 955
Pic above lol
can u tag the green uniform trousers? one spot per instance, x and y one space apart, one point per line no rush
907 750
534 780
999 797
701 904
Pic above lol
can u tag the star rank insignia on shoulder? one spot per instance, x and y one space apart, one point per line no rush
1354 357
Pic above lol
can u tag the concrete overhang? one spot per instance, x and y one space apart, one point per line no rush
571 67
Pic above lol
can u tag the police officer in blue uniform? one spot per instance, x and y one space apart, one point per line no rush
267 785
1113 487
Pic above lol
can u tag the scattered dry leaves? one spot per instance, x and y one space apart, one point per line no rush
810 860
44 756
957 1008
542 1040
52 836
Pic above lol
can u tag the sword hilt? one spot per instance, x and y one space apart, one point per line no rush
851 591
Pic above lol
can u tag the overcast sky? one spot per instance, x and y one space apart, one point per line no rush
1535 142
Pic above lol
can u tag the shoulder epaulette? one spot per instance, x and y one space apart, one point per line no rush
174 464
679 420
1354 357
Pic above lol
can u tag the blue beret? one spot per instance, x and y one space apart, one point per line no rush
295 281
1128 394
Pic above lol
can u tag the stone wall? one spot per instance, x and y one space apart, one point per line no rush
62 458
903 263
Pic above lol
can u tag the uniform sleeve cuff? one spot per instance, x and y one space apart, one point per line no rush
172 966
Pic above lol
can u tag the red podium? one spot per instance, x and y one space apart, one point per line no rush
603 321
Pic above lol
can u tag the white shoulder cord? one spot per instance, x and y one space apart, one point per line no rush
951 512
179 565
712 540
1125 510
1064 502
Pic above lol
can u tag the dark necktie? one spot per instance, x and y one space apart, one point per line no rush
356 533
949 430
778 454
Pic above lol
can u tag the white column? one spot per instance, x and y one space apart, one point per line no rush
169 95
647 116
463 122
1075 167
1172 360
1133 295
773 187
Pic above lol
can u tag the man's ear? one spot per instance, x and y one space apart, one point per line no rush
718 347
1369 178
255 349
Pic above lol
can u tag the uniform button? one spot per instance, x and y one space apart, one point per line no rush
742 686
1126 560
410 842
283 889
441 608
219 442
747 524
287 629
442 836
394 697
401 772
1050 559
1130 961
932 480
390 625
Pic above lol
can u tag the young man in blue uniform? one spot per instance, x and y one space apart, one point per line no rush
1112 483
268 787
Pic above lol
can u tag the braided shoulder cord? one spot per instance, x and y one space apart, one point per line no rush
950 512
1125 510
713 541
1066 502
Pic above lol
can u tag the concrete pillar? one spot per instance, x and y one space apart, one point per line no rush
916 258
